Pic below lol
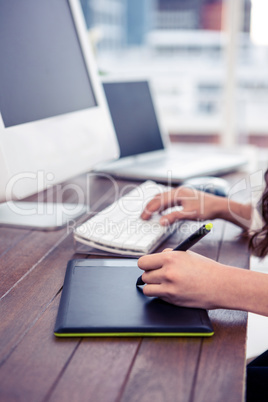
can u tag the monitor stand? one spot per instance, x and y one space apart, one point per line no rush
39 215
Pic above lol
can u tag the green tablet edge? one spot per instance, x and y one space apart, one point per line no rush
133 334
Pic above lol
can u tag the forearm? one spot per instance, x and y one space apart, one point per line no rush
240 289
234 212
192 280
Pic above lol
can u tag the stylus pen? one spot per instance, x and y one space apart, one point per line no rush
187 243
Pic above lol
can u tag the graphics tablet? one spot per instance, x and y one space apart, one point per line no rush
100 298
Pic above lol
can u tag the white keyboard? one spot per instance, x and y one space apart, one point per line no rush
119 228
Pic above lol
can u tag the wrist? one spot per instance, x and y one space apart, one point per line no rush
240 289
234 212
221 208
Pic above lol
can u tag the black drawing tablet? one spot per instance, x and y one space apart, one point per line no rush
100 298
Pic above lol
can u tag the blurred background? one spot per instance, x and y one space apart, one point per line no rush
207 61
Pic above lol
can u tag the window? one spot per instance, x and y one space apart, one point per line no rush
207 61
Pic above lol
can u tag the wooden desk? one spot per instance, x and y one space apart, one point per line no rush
35 366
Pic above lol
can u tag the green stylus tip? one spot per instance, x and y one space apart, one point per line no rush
209 226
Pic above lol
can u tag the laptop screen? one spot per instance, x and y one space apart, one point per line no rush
134 117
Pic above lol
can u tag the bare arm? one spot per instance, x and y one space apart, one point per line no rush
198 205
189 279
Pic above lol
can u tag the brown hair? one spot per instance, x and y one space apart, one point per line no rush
258 242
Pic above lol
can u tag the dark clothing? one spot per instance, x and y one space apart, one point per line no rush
257 379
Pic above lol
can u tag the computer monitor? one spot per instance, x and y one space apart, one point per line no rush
54 120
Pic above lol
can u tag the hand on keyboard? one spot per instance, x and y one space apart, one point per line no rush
119 228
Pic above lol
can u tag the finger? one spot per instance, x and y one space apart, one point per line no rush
152 277
149 262
155 205
168 219
158 204
166 250
153 290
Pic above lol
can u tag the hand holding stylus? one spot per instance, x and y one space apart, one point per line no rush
185 278
186 244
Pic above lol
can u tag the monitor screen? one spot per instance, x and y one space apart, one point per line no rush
134 117
44 72
54 119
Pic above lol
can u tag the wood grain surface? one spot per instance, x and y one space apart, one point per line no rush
36 366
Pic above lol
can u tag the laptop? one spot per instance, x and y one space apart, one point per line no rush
145 152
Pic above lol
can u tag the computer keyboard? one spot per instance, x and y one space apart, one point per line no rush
119 229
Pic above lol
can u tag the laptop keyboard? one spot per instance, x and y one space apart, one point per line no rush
119 228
